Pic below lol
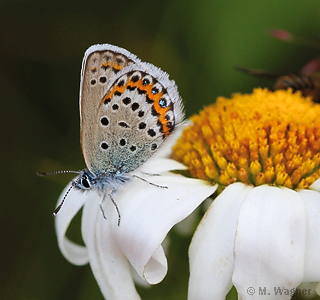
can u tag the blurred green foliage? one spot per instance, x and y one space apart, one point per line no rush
41 47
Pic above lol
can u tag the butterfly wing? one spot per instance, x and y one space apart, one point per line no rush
100 64
127 109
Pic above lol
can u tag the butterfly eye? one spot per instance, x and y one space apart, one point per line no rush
85 183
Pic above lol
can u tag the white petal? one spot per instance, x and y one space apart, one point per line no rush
138 279
160 165
109 266
316 185
211 249
270 244
312 259
74 253
148 213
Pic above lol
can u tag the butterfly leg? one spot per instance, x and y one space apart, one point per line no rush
151 174
115 205
154 184
101 206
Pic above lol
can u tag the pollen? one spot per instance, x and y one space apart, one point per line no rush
260 138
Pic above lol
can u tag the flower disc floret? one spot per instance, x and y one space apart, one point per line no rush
260 138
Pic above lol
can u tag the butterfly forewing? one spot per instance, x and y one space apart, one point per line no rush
100 64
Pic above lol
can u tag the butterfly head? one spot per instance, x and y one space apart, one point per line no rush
89 181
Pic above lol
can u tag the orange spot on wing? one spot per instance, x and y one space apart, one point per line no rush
117 67
105 65
147 87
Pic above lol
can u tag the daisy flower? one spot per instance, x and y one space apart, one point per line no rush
262 232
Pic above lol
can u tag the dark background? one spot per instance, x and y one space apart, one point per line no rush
41 48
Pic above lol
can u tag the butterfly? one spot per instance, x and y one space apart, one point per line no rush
128 108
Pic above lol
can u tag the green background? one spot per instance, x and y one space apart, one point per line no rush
41 48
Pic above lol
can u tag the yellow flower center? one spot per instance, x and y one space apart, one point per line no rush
260 138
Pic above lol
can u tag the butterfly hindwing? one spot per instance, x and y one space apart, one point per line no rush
127 109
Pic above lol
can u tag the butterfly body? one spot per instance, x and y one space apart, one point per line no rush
102 183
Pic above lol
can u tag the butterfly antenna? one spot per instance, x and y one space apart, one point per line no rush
61 203
57 172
